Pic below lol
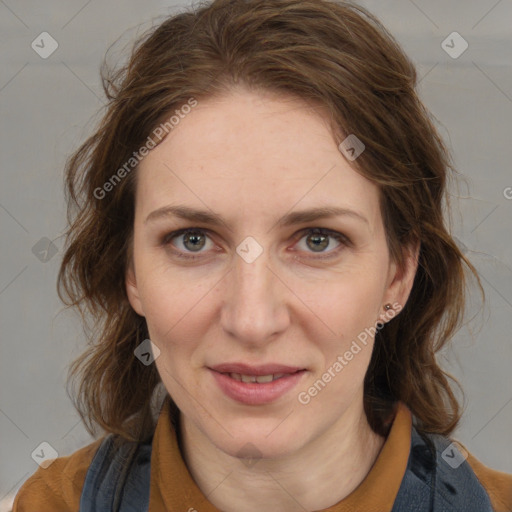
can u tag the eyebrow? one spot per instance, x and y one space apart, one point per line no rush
291 218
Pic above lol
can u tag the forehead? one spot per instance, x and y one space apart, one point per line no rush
255 153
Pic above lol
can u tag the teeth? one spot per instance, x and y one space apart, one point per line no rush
261 379
264 378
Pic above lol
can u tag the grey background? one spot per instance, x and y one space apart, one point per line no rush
48 106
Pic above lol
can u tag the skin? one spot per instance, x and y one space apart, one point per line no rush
252 157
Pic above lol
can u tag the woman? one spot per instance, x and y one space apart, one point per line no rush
256 232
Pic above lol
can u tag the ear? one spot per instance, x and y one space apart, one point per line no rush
401 279
132 290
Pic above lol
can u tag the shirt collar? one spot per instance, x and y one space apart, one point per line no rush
173 488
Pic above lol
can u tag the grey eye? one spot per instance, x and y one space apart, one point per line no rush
318 240
192 240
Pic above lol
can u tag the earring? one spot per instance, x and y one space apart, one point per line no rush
387 307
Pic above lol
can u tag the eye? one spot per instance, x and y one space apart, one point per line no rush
194 239
318 239
191 238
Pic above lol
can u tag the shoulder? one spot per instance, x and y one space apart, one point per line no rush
456 465
497 484
59 485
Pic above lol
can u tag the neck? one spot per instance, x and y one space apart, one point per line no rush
319 475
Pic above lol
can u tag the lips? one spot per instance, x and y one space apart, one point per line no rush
258 387
256 370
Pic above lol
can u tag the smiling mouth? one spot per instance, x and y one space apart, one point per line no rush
244 371
260 379
259 387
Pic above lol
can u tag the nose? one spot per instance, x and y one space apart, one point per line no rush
254 310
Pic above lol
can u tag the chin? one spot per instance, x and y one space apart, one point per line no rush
263 442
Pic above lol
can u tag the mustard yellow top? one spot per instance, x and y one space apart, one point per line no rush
58 487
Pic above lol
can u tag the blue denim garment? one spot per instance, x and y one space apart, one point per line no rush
118 479
437 483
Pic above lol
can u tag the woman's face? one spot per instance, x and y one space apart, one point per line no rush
262 289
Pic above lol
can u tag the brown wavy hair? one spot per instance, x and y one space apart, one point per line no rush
333 54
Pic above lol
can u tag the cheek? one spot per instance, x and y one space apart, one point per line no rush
347 303
177 320
170 298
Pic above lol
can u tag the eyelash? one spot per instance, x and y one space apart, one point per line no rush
344 241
